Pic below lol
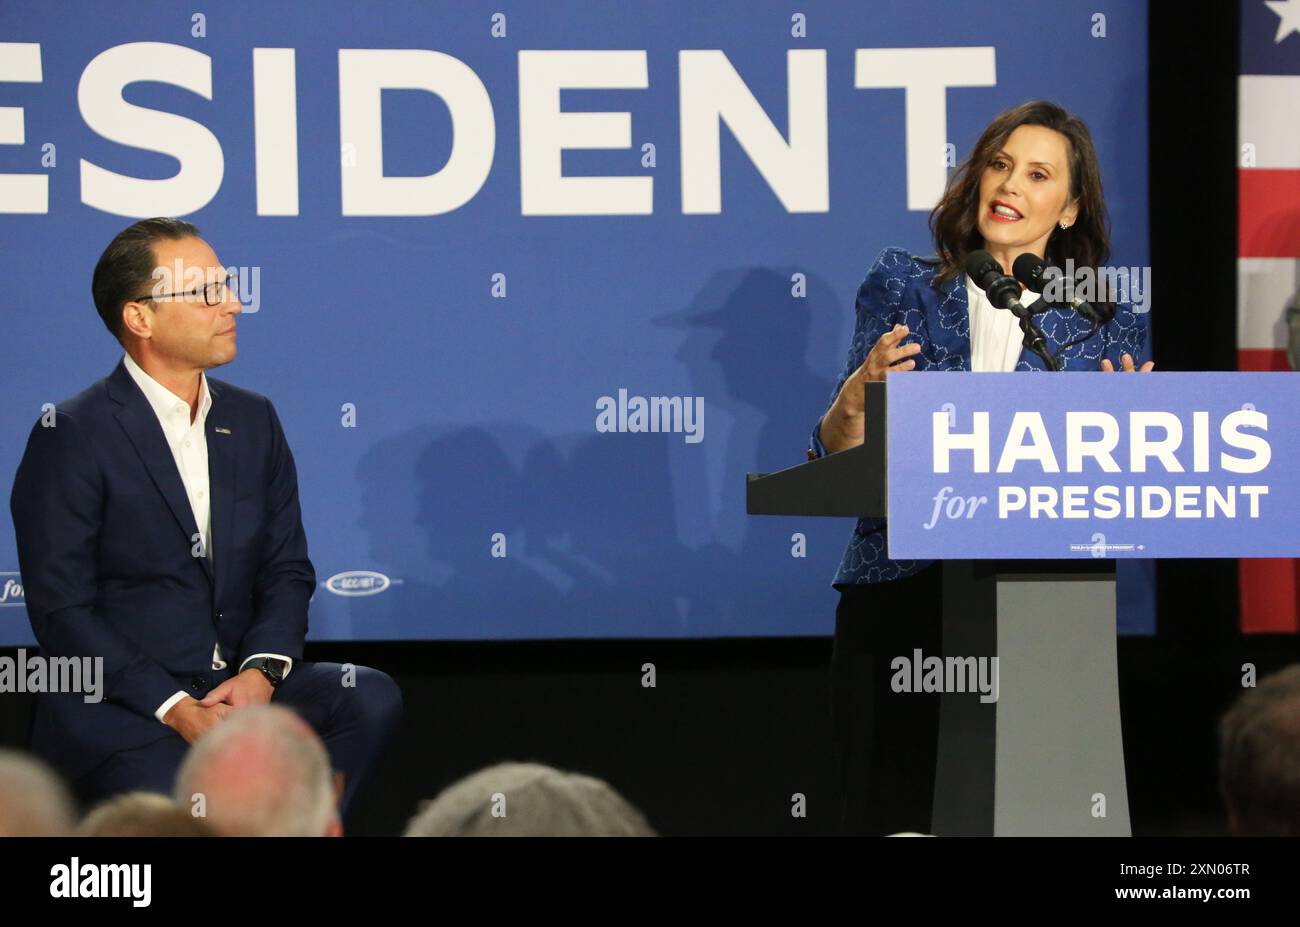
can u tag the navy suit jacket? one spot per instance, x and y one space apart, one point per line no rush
899 290
112 568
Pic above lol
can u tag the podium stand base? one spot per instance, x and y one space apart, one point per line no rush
1047 757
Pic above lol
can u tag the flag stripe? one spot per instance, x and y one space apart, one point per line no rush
1268 244
1265 288
1274 141
1263 361
1270 596
1268 209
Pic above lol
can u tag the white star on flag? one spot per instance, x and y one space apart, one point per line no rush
1288 12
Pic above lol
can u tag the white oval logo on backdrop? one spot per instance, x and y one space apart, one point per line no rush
358 582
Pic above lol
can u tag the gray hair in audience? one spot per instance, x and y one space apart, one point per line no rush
528 800
1259 757
34 802
262 772
143 814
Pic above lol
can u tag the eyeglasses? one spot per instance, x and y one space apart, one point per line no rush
214 294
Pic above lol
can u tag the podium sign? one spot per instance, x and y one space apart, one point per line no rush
1000 465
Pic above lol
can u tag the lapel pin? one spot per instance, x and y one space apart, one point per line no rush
222 431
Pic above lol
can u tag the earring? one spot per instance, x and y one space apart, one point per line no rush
1064 226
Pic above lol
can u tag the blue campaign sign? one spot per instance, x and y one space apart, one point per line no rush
531 285
993 465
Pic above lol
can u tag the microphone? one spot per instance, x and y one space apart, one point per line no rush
1033 273
1004 292
1029 269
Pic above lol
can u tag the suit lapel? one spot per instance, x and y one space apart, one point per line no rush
137 419
221 480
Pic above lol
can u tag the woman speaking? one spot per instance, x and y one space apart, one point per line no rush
1032 185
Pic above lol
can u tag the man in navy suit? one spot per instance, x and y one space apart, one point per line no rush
158 527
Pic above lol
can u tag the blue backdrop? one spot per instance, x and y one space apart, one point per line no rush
439 376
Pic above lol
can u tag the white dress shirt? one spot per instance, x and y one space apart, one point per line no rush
995 336
189 446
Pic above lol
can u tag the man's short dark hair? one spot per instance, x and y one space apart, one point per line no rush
1259 757
125 269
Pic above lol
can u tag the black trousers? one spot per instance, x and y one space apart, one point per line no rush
355 723
886 741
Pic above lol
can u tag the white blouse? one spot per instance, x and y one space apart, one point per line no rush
995 336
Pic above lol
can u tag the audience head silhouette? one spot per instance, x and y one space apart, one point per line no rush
528 800
262 772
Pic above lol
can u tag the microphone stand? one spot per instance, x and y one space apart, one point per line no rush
1004 293
1034 339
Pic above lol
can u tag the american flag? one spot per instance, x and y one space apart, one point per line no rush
1268 250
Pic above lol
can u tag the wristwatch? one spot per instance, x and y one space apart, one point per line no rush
271 668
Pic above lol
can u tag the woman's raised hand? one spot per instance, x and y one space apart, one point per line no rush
1126 361
885 356
844 425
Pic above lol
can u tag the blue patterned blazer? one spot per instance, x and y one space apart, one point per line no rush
899 291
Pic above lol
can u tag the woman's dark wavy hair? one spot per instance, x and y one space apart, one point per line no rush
954 222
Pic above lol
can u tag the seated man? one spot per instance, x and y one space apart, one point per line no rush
158 528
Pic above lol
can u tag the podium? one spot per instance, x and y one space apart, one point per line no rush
1172 465
1048 753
